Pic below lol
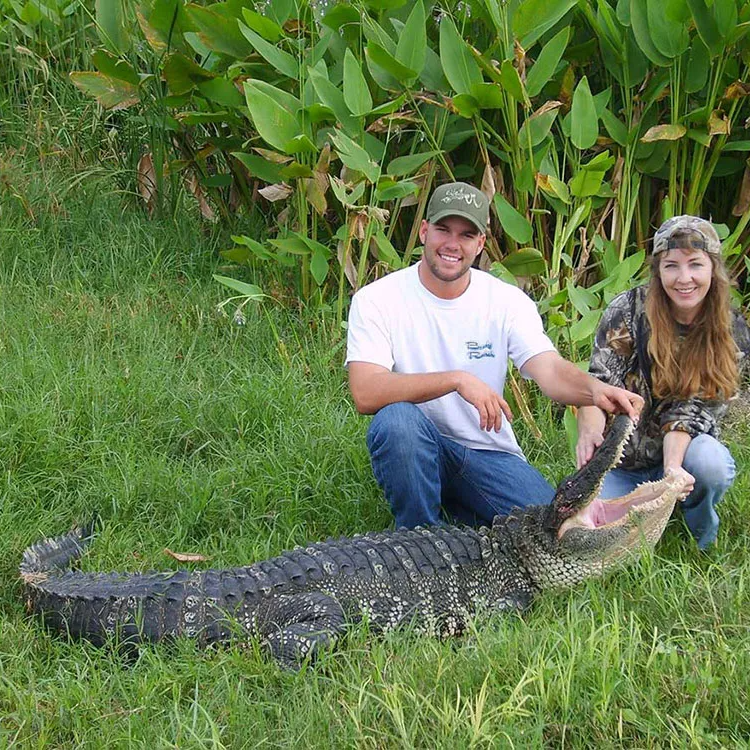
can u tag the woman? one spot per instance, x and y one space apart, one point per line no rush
677 343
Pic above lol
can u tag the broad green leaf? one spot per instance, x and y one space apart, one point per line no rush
511 81
412 44
385 251
221 91
698 66
533 18
640 25
432 76
236 255
488 95
293 244
246 290
705 23
113 67
355 157
526 262
290 102
347 198
737 146
295 170
340 15
255 247
725 15
582 299
259 167
584 123
466 105
403 165
384 59
547 61
274 123
584 328
282 61
219 30
458 63
356 92
553 186
586 183
280 10
333 98
266 27
536 127
514 224
628 268
664 133
498 270
579 216
392 191
616 129
667 26
319 267
111 93
182 74
110 25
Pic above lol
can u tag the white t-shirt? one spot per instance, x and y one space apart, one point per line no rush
397 323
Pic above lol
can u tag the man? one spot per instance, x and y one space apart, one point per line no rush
427 353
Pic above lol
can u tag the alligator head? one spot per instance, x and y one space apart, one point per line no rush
581 535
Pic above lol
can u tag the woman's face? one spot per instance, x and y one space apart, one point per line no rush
686 278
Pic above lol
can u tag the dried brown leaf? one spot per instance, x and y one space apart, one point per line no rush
186 556
718 124
743 199
195 189
278 192
349 270
145 177
273 156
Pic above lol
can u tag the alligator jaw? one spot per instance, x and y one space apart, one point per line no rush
647 499
605 532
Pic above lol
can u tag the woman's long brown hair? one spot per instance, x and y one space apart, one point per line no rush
704 362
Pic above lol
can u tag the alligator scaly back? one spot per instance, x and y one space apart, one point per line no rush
435 578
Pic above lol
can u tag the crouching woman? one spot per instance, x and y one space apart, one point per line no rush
679 344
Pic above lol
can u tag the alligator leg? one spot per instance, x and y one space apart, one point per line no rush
297 626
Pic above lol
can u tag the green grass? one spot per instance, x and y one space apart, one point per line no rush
124 395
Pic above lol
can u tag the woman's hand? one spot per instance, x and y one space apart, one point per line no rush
589 439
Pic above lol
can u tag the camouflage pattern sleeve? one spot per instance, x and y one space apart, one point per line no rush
613 353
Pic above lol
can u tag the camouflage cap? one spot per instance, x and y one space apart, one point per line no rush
459 199
700 235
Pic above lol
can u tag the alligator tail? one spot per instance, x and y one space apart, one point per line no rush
56 554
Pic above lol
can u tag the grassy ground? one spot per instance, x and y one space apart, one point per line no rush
123 394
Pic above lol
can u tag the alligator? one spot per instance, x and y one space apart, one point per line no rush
436 578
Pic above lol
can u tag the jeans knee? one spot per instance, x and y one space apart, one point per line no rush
396 424
710 463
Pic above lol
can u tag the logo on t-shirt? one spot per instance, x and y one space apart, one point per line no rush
479 351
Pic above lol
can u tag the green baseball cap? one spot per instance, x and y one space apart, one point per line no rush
459 199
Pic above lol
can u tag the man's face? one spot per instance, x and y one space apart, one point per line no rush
450 247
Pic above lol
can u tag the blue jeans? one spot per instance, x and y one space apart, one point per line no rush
710 463
421 471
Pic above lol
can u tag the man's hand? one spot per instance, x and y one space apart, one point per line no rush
616 400
490 405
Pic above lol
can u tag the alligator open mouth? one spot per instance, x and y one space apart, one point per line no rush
648 498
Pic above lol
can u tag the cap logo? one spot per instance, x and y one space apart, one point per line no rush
458 194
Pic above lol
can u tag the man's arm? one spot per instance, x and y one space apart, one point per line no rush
373 387
562 381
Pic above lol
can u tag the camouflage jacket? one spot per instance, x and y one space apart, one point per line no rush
619 357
